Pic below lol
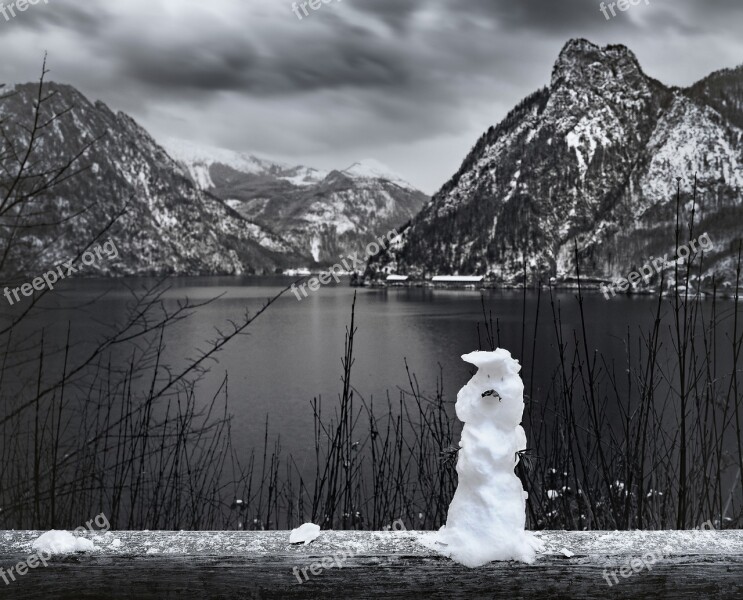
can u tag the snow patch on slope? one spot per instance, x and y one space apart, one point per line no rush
589 134
687 142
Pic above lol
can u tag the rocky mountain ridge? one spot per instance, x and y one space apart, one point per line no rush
594 159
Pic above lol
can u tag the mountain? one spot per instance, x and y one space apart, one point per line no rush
591 159
324 214
170 225
723 91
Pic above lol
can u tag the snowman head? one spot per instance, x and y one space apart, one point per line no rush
495 393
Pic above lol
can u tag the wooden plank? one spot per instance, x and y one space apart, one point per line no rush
259 565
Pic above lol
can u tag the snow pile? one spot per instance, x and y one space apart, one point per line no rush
487 515
305 533
62 542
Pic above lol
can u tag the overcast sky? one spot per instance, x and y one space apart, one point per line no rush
412 83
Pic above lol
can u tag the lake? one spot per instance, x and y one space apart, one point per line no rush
292 353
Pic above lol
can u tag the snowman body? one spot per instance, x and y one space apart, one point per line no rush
487 516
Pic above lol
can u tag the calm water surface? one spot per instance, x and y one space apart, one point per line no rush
293 352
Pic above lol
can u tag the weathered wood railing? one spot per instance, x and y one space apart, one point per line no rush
356 564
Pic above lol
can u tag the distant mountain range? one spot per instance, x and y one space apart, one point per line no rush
211 211
593 158
323 214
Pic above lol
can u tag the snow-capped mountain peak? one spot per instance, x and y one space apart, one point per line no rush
323 213
200 158
370 168
584 64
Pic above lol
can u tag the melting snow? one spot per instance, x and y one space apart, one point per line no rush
62 542
304 533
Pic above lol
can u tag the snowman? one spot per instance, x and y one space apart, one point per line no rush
487 516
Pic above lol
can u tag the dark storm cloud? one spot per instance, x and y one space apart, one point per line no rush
203 54
398 15
235 64
84 18
698 18
217 65
550 16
